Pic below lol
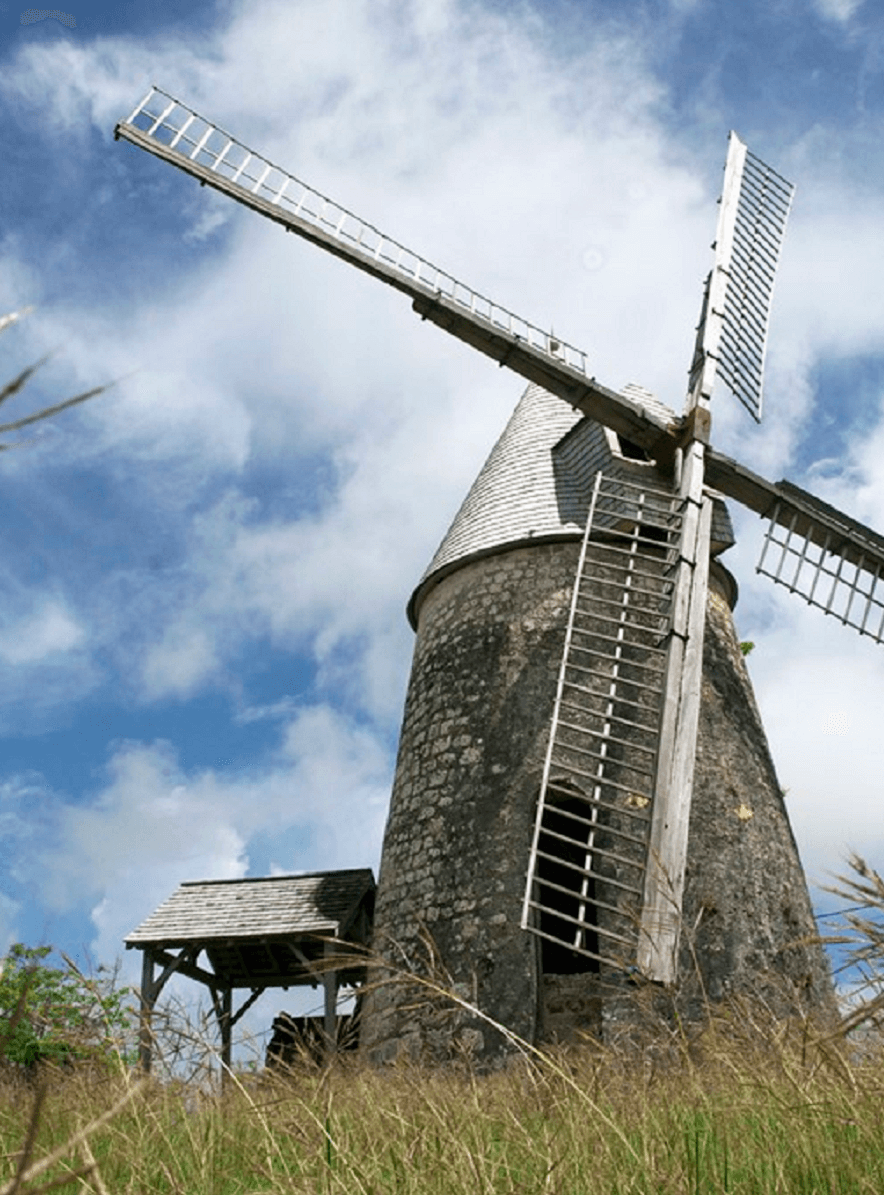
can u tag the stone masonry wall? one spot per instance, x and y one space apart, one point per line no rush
461 815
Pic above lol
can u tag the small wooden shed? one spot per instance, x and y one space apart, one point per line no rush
255 934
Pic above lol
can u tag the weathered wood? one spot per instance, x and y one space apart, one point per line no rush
782 502
270 908
664 878
330 1003
584 866
225 1026
145 1013
713 304
308 920
182 964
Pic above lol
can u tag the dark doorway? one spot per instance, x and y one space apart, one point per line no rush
566 893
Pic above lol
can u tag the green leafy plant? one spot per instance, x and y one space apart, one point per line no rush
57 1014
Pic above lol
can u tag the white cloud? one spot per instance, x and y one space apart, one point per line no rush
270 352
180 664
838 10
216 213
46 632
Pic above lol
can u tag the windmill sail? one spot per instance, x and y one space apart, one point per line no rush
831 560
170 130
732 337
588 857
762 210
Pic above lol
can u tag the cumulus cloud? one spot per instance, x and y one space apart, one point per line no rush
47 631
318 802
838 10
179 664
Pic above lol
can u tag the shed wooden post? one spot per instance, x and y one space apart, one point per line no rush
225 1021
330 989
145 1014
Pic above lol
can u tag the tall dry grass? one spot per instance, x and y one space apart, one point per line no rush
744 1103
726 1110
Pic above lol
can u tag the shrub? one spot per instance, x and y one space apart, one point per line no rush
56 1014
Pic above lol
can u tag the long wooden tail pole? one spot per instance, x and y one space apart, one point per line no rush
664 876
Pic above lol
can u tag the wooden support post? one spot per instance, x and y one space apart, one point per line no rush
145 1014
330 989
224 1020
664 878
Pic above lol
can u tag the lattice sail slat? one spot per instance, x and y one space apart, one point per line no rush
589 851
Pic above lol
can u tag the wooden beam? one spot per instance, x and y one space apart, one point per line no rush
247 1004
185 958
736 481
184 967
705 368
667 851
796 509
330 992
624 416
225 1024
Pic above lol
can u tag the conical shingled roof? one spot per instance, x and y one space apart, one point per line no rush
535 485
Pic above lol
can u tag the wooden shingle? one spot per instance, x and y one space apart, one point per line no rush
323 902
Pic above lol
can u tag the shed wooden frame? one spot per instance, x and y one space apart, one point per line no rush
271 932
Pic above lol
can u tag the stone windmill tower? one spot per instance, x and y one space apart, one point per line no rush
584 794
491 615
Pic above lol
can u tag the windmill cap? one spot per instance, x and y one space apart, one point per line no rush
536 484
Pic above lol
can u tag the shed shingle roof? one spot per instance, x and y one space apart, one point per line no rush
216 910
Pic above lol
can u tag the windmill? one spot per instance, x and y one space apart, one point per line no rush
606 861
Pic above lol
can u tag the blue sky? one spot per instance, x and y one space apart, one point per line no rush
203 647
